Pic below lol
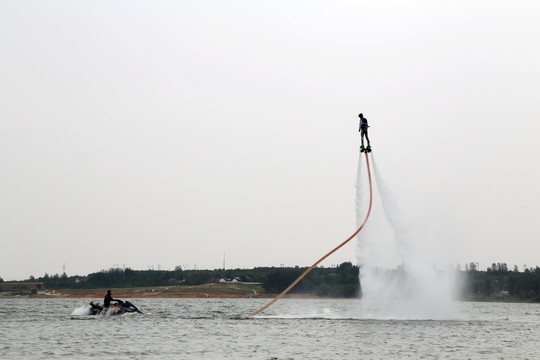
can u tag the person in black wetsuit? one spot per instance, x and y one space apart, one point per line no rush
107 299
363 132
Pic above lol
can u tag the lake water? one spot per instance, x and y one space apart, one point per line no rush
290 329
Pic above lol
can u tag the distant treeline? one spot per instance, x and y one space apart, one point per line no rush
340 281
500 283
496 283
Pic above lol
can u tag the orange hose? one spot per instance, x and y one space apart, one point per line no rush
330 253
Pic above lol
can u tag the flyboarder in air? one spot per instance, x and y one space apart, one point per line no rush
363 132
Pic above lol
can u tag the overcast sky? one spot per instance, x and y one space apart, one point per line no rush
168 133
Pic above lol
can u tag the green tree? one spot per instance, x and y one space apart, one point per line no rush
178 273
487 287
279 278
502 267
198 277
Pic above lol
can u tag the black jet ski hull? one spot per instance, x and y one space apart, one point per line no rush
120 308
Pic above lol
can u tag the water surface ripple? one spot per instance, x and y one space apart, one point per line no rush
291 329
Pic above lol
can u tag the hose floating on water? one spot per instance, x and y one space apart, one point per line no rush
331 252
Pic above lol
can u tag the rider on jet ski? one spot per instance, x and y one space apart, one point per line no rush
107 299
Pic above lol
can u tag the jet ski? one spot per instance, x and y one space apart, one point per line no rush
120 308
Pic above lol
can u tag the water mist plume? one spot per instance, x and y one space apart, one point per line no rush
413 290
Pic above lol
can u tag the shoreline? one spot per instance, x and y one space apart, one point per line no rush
212 290
133 295
122 296
205 291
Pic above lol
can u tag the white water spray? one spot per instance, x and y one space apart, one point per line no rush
83 310
415 288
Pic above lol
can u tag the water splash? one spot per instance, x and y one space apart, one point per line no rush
398 277
83 310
